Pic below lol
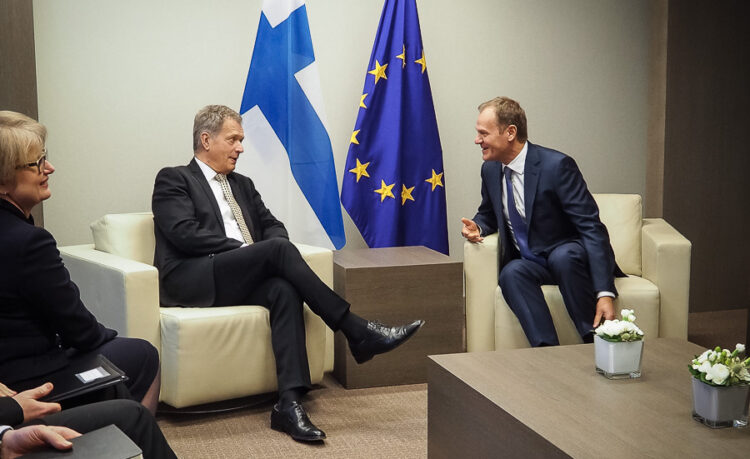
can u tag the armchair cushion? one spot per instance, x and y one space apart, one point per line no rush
130 236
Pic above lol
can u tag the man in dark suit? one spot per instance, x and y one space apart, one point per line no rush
218 245
549 226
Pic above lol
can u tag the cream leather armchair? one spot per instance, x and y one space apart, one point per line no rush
207 354
654 255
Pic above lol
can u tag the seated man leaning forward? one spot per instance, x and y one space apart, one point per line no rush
550 232
218 245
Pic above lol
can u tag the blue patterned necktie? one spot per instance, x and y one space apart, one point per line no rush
519 226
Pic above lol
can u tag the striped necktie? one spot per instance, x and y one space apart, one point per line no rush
236 211
520 231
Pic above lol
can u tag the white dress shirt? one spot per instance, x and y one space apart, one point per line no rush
231 227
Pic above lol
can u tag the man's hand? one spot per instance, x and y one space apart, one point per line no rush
27 439
5 391
605 310
470 231
32 407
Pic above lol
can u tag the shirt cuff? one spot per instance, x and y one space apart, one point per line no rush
604 293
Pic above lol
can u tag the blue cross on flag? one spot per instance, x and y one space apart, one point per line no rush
288 151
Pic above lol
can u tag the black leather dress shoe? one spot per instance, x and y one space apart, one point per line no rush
294 421
379 339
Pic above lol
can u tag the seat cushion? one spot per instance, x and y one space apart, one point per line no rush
636 293
211 354
127 235
622 214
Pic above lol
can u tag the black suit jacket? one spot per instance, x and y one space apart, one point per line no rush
189 231
559 209
41 313
11 413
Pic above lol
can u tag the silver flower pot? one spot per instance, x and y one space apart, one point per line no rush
720 406
618 360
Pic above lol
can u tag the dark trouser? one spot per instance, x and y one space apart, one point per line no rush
131 417
273 274
567 267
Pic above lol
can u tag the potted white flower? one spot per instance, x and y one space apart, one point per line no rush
618 347
721 387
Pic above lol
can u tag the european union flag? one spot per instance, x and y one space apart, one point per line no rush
394 187
289 152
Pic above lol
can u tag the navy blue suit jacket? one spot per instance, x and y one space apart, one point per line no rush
559 209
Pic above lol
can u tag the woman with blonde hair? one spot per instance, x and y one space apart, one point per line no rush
44 326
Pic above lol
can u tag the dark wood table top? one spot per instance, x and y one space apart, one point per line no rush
556 392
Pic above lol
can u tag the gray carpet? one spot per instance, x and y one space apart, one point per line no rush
386 422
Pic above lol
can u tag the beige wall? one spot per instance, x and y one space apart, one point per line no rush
119 83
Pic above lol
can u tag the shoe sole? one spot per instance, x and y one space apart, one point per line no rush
360 360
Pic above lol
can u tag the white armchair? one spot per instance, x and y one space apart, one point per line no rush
652 253
207 354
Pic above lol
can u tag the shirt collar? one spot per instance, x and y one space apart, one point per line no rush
209 173
518 163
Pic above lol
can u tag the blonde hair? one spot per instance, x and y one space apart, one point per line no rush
21 137
211 119
507 112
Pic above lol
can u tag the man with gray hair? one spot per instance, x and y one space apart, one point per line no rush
218 245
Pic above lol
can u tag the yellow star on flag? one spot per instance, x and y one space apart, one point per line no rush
435 180
360 170
402 56
422 61
385 191
379 71
362 101
354 137
406 194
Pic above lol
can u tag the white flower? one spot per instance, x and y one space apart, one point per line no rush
717 373
740 347
704 367
703 357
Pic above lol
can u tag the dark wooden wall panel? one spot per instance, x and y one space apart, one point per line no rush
18 64
707 146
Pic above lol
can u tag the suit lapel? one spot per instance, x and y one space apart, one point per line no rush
198 174
530 181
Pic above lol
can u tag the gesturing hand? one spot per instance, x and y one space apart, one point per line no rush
470 231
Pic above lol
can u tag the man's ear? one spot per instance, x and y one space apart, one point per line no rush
205 137
512 130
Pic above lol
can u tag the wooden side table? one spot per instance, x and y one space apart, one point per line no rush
395 286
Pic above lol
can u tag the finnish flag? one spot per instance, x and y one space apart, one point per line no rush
287 149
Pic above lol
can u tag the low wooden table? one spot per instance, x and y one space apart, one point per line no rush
396 286
550 402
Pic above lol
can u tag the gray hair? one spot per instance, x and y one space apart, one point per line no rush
21 137
210 119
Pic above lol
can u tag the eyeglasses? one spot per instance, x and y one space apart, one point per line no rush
39 163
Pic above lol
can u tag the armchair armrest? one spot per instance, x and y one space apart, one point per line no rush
320 261
480 273
666 263
123 294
